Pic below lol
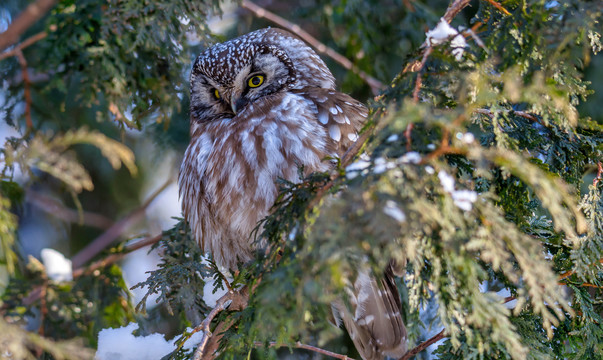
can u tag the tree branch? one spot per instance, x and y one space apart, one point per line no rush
424 345
498 6
26 43
315 349
24 21
26 86
106 238
206 350
113 258
599 173
260 12
55 208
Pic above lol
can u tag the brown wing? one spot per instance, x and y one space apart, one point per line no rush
374 321
340 114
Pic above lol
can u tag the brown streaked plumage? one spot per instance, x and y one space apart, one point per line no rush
262 105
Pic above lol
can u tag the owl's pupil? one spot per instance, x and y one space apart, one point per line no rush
256 81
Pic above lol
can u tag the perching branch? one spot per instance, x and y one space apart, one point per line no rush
374 84
315 349
235 300
24 21
222 304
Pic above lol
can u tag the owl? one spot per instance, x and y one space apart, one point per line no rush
262 106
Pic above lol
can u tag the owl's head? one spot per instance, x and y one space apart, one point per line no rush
229 76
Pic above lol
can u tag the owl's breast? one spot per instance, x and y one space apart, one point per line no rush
227 179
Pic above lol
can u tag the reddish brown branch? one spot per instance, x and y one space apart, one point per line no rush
499 7
522 114
571 272
235 300
113 258
27 42
454 9
299 345
599 173
26 87
407 135
422 346
439 336
260 12
419 80
55 208
106 238
24 21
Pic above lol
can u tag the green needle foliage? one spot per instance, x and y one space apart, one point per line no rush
480 172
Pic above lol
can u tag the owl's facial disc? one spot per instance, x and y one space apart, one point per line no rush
264 75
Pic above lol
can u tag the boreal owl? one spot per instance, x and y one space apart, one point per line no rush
262 106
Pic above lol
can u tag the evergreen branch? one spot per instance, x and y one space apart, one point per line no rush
522 114
106 238
499 7
315 349
260 12
24 21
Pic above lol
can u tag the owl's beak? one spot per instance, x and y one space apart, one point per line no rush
233 103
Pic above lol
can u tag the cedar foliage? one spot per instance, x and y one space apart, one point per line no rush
482 174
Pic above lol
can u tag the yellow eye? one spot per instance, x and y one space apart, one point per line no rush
255 81
216 93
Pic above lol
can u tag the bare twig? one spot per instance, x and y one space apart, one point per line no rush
439 336
55 208
374 84
522 114
38 293
418 81
27 42
571 272
498 6
422 346
299 345
454 9
106 238
113 258
599 173
222 304
24 21
26 86
408 135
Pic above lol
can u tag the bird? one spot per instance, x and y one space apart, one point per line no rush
263 106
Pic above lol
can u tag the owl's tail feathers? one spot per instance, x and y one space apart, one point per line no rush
374 321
